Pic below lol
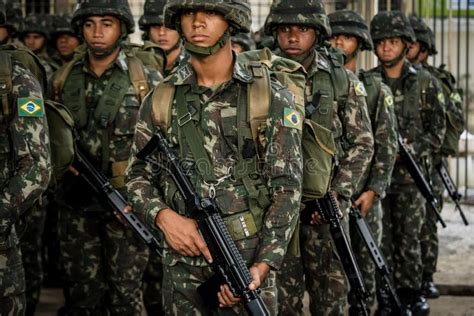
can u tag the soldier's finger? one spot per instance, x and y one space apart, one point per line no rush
128 209
255 284
227 296
73 170
203 249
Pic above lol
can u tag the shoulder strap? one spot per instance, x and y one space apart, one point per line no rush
258 97
162 100
6 85
60 78
137 76
372 83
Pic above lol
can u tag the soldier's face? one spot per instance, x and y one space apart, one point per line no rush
101 32
237 48
389 48
164 37
423 57
203 28
296 40
413 50
66 44
34 41
3 34
347 43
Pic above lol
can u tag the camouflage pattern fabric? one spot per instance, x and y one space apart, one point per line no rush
404 209
244 40
387 24
290 12
153 14
103 261
215 115
25 137
152 285
421 30
31 227
349 22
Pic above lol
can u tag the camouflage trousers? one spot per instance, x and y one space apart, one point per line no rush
180 296
429 231
14 305
32 224
318 270
403 217
152 285
362 254
12 278
103 263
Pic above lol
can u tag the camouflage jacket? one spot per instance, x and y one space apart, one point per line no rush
215 116
92 133
384 126
351 128
25 168
420 112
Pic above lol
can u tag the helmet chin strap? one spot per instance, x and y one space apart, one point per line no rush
101 53
207 51
393 62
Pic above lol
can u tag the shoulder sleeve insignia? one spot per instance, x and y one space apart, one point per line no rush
441 97
360 89
292 119
30 107
388 101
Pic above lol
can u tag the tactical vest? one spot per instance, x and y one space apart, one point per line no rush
326 98
69 84
373 84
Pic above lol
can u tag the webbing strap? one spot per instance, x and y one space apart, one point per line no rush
6 85
193 136
137 76
162 100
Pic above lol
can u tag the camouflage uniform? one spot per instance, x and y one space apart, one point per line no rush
323 272
423 126
382 116
455 119
216 118
102 259
39 24
24 137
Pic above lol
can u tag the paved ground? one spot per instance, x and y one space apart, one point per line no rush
455 275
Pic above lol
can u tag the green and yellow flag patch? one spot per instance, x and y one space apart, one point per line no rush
30 107
292 119
388 101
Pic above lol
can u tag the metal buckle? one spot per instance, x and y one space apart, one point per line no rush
184 119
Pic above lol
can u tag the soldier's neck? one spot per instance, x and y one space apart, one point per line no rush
351 65
214 69
100 65
171 57
394 71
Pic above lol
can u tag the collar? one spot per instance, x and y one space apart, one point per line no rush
120 62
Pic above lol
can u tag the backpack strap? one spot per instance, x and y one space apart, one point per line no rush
372 83
258 97
137 76
60 78
162 100
6 85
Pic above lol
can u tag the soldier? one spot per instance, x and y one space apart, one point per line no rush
152 24
420 112
351 34
215 96
334 97
25 171
103 261
242 42
454 128
9 29
64 39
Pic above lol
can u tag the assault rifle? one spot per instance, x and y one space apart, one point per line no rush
377 257
451 188
419 179
228 264
329 211
99 183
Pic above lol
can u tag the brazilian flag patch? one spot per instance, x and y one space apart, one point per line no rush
292 119
360 89
30 107
388 100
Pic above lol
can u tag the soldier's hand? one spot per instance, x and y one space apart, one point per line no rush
226 298
73 170
365 201
127 209
316 219
258 272
182 234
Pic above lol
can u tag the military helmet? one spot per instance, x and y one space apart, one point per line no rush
244 40
118 8
236 12
421 30
432 49
36 23
387 24
62 25
153 14
304 12
3 13
351 23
